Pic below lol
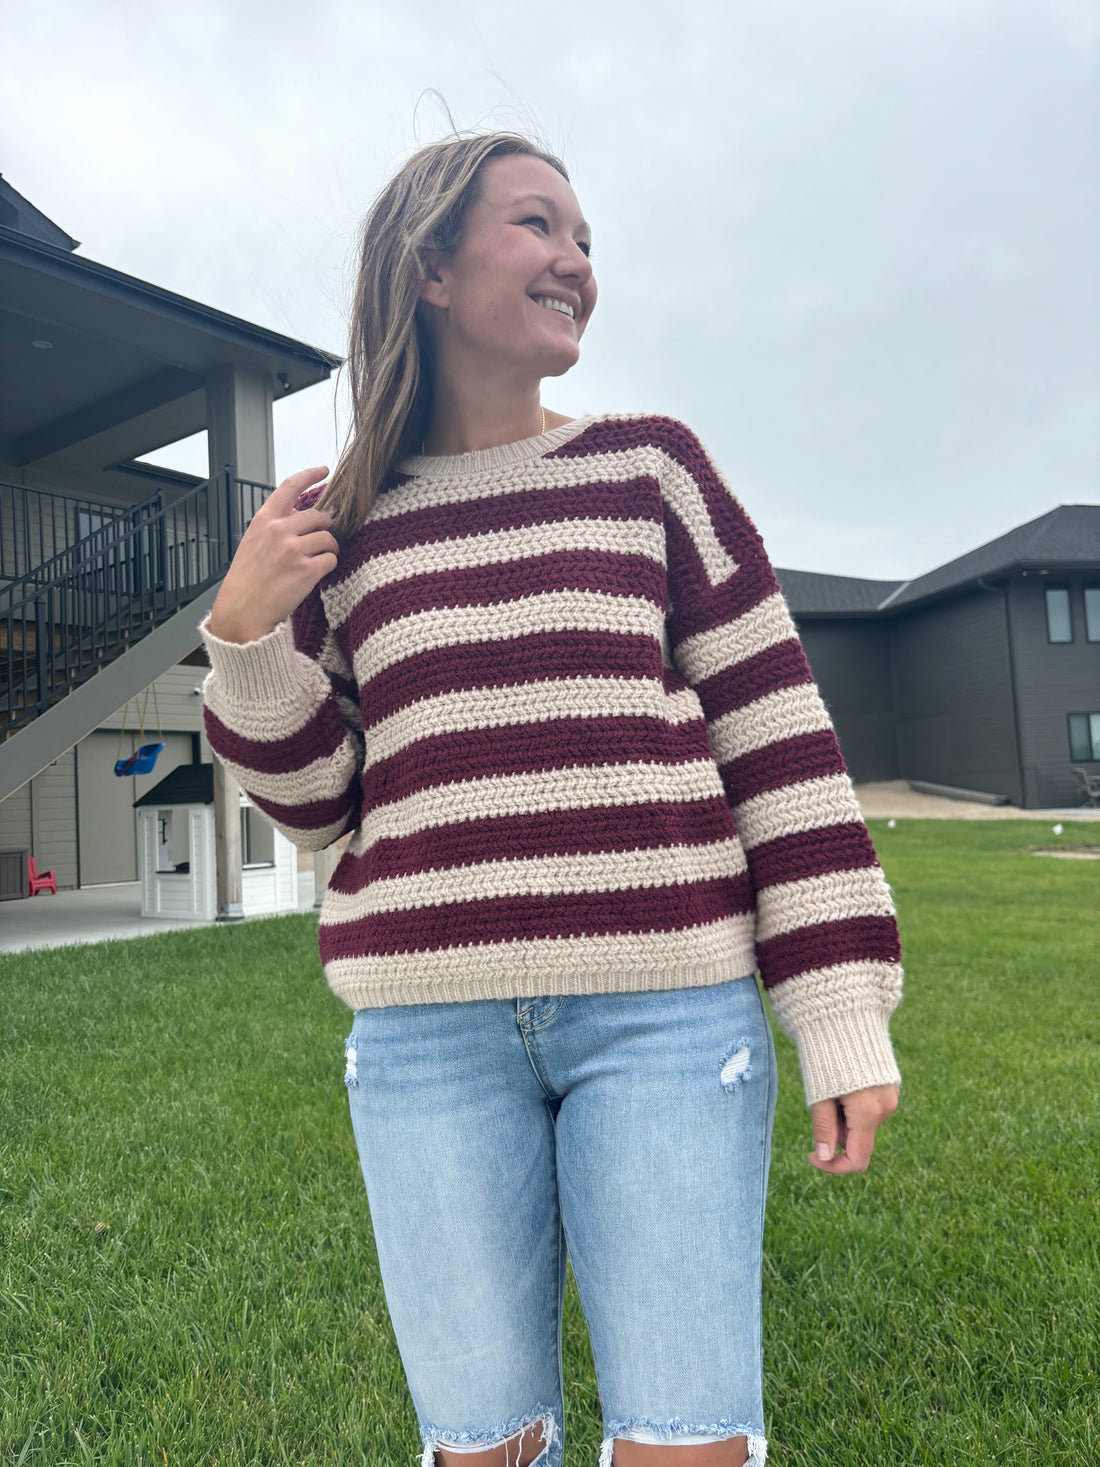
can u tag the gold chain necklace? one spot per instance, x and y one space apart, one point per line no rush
542 410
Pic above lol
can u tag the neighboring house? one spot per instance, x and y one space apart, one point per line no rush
981 675
108 564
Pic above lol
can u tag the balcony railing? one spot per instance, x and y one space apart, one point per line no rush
38 524
76 612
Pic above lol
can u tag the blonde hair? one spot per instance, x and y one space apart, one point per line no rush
421 209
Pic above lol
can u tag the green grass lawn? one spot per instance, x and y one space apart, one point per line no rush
188 1275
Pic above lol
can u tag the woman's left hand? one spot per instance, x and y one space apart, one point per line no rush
850 1121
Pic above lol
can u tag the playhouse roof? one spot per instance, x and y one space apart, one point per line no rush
187 784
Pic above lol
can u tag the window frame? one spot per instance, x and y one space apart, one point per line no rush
1092 624
1058 641
1092 717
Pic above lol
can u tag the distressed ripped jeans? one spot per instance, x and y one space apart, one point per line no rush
634 1129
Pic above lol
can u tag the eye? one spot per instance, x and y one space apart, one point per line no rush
541 219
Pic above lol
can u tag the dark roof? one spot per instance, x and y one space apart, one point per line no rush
187 784
19 213
807 592
61 264
1066 537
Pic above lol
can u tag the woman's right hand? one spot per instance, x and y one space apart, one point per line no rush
282 555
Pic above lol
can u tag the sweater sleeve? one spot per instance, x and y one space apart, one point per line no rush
826 934
282 713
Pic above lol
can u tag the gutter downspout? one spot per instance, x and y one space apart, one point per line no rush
1012 685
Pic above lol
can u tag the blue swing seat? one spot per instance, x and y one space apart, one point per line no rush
139 763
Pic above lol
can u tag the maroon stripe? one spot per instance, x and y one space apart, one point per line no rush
314 814
579 831
562 743
851 940
812 853
511 662
783 665
637 497
699 605
507 584
320 738
787 761
606 437
507 919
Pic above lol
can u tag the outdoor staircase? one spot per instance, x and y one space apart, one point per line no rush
89 628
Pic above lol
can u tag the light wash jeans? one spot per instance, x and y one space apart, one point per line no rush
634 1128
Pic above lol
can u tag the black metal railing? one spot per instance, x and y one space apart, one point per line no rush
38 524
78 611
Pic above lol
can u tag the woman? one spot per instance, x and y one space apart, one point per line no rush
541 670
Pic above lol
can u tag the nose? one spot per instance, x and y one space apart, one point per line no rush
575 262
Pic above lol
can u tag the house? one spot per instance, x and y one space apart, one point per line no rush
107 562
983 674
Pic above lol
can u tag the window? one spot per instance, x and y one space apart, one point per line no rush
1084 737
1092 613
1059 625
257 838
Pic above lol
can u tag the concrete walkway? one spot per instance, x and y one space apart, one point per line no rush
96 912
893 799
93 913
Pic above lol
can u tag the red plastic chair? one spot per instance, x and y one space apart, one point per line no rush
46 881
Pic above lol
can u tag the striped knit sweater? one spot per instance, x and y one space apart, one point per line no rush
555 694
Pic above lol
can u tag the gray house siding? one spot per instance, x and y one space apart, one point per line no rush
953 695
76 817
39 818
1053 680
850 661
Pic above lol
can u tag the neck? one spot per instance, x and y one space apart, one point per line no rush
466 417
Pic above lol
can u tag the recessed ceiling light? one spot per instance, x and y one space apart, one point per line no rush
42 345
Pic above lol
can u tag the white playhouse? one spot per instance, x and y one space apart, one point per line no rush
176 852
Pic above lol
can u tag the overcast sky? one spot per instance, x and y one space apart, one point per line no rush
854 245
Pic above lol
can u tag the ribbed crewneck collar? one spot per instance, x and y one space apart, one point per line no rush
479 460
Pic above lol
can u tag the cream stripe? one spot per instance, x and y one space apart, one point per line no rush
256 721
706 653
311 840
684 497
810 805
322 779
522 478
779 715
540 876
543 611
577 788
505 549
833 897
729 939
545 701
820 994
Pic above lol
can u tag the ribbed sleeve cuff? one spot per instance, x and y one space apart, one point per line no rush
256 673
846 1052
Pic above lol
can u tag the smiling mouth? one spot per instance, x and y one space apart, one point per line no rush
559 308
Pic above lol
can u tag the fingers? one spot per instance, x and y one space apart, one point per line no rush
826 1131
850 1121
320 542
285 496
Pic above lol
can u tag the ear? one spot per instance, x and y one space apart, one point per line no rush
431 287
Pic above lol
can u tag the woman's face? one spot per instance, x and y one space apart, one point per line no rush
524 242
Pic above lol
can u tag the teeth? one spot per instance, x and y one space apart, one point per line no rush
554 305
